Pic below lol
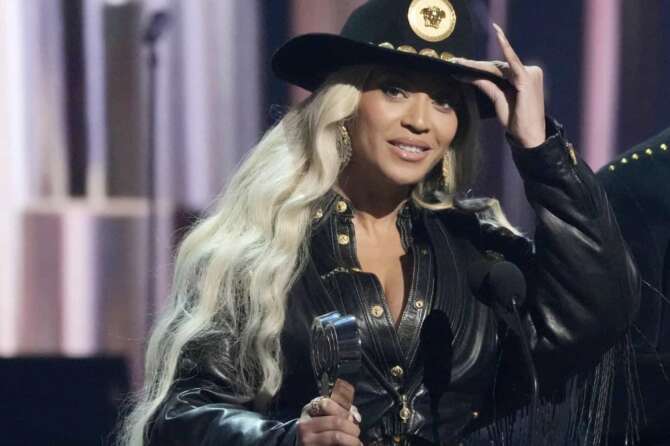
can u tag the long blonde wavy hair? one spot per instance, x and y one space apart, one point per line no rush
235 268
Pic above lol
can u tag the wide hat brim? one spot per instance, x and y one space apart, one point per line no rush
307 60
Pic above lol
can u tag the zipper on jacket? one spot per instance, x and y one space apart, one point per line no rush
405 412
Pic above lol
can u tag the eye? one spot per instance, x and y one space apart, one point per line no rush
446 101
393 91
443 103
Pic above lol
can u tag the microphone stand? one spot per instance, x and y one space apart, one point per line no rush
528 359
435 350
501 285
158 23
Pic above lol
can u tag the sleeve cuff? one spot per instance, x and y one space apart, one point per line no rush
554 154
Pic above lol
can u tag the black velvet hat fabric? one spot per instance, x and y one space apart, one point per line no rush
308 59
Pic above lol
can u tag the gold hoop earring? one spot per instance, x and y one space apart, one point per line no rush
344 146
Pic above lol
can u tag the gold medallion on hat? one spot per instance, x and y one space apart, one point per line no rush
432 20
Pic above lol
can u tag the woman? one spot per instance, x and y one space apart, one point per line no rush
350 203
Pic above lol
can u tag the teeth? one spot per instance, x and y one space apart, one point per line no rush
411 149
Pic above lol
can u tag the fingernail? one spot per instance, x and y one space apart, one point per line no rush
498 28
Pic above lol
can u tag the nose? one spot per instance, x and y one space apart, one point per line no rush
416 115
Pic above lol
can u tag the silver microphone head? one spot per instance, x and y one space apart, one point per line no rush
336 350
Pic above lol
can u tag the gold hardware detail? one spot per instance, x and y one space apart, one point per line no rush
397 371
341 206
433 16
426 52
573 155
405 411
429 52
377 311
446 56
432 20
343 239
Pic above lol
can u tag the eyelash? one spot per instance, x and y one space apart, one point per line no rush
394 92
443 104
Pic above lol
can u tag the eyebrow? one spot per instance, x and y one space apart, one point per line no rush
385 74
447 89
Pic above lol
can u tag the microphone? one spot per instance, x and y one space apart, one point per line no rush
336 350
497 282
436 338
501 285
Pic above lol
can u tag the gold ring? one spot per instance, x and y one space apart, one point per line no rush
314 409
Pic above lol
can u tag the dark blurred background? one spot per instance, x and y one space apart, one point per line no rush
106 160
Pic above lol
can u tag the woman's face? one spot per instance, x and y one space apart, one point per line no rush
405 123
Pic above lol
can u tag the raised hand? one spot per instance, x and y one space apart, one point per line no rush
521 110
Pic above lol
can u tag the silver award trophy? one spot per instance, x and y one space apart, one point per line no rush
336 350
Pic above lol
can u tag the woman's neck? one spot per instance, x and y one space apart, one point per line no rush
375 204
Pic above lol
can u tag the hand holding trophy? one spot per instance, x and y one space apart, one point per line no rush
336 359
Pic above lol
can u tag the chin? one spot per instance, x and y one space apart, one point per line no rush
404 178
398 173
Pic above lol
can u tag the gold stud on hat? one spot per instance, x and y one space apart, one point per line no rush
407 49
429 52
447 56
432 20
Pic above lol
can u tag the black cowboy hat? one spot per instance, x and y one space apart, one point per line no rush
421 34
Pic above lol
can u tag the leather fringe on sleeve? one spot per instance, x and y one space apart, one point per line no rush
582 416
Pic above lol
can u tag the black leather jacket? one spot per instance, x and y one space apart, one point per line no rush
583 293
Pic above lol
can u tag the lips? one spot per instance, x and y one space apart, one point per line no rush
410 150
